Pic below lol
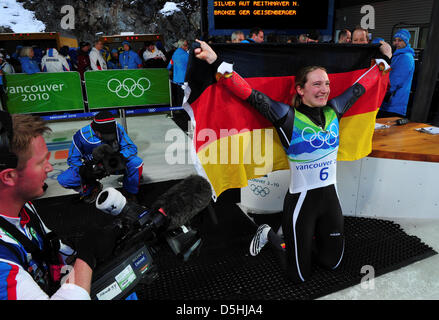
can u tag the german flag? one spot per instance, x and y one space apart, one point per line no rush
233 143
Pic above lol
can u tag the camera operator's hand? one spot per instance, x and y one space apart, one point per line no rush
87 174
95 245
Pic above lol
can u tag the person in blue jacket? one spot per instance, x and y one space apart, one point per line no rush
401 75
103 130
128 58
179 62
28 65
256 35
114 63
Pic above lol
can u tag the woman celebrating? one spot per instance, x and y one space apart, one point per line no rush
309 132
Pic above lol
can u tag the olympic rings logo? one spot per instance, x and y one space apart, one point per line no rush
129 87
330 138
259 191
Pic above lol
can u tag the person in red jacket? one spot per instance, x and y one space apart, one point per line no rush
83 58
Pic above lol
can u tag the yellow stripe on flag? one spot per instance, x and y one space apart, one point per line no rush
231 161
356 136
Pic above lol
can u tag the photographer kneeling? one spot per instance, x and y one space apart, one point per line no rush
31 256
98 150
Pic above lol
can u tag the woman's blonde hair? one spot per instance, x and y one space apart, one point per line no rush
25 51
300 80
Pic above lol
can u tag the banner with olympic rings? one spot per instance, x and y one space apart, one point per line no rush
127 88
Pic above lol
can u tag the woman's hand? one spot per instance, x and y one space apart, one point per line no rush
205 52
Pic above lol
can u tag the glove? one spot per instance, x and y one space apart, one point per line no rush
87 175
96 245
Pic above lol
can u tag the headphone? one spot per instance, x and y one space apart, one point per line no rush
8 159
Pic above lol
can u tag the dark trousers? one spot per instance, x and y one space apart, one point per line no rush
312 224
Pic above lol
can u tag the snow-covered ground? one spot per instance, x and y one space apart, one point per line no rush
19 19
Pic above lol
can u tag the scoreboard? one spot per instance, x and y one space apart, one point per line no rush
280 16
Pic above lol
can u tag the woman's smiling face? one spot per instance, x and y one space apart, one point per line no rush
316 90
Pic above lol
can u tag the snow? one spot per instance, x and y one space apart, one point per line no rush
169 9
19 19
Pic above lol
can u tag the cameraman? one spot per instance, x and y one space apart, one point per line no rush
88 144
26 271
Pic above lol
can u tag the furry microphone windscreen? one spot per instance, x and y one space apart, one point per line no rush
184 200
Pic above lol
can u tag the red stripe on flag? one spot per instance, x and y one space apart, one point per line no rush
218 111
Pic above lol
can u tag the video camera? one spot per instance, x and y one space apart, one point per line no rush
105 162
139 227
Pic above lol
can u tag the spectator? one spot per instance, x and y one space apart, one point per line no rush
83 58
256 35
38 55
344 36
401 76
17 52
5 53
179 62
106 53
114 63
73 54
360 36
5 68
303 38
15 59
237 36
97 61
64 51
5 65
153 57
178 65
313 36
128 58
54 62
28 65
159 46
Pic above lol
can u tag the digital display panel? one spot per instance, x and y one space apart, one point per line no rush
283 16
